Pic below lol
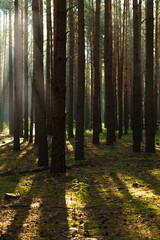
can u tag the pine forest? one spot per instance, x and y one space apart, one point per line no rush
80 119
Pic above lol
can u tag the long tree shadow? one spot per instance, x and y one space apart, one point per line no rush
143 212
16 160
142 169
41 212
103 216
147 214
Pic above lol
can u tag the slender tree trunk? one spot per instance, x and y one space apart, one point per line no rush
75 74
140 57
149 103
26 72
109 110
87 92
136 83
32 93
79 144
48 68
11 103
4 68
16 77
21 72
71 68
96 77
92 60
156 64
115 56
130 70
126 72
1 85
120 72
100 76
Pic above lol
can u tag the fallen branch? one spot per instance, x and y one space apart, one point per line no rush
41 169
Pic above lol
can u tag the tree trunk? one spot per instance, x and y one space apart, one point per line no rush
149 103
71 68
120 72
96 97
115 56
26 73
17 80
21 73
136 83
126 72
48 68
109 111
156 65
79 144
59 90
92 42
11 103
39 85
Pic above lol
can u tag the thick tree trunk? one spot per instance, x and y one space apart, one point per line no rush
39 85
59 90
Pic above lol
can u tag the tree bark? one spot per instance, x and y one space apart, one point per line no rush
59 90
149 103
17 81
11 102
137 103
79 144
26 73
109 111
39 85
48 69
96 77
71 68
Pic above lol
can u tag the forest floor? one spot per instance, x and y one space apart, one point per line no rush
112 194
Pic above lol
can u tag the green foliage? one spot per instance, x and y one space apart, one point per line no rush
80 188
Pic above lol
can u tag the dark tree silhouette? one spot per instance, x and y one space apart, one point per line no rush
26 72
109 104
149 103
11 103
59 90
96 99
79 144
17 81
71 68
137 98
39 86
